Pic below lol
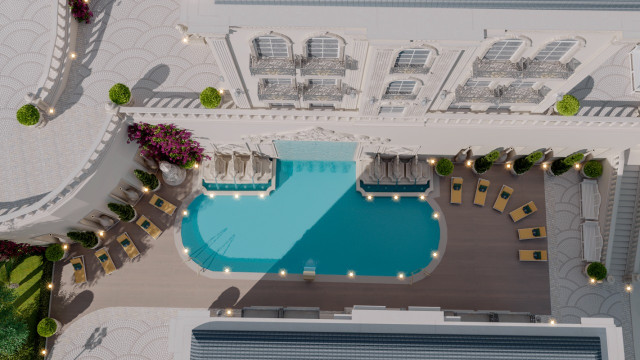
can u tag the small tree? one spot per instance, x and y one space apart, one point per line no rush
561 166
124 211
47 327
524 164
444 167
119 94
597 271
210 98
13 331
484 163
149 181
87 239
54 252
568 106
592 169
28 115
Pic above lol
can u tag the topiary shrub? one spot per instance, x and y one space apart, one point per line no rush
597 271
568 106
592 169
87 239
149 181
47 327
524 164
54 252
28 115
484 163
210 98
124 211
444 167
119 94
561 166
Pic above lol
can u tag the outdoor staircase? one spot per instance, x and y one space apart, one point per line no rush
620 260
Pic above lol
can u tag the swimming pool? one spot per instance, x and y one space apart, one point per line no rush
315 217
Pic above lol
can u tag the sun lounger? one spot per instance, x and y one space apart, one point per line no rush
481 192
162 204
532 233
79 273
456 190
309 273
105 260
523 211
128 245
532 255
148 226
592 242
503 198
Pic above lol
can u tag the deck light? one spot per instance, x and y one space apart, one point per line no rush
577 166
544 166
185 213
72 55
351 274
185 40
52 111
229 312
432 161
592 280
552 321
221 91
508 165
86 1
369 197
211 196
434 254
436 215
101 233
468 162
50 285
145 189
396 197
283 272
227 270
185 250
236 196
400 276
65 247
628 288
196 165
422 197
43 352
261 195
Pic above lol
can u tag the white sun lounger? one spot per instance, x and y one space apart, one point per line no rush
591 241
590 200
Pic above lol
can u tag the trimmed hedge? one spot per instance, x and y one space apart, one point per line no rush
149 181
483 164
561 166
87 239
54 252
568 106
119 94
210 98
592 169
444 167
124 211
28 115
47 327
597 271
524 164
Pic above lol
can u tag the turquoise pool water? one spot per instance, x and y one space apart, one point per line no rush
315 217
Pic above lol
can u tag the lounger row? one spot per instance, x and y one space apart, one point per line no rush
396 171
237 168
481 193
104 258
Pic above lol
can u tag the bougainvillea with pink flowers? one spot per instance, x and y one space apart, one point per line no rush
166 142
9 249
80 11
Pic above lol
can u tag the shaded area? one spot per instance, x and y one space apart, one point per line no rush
228 298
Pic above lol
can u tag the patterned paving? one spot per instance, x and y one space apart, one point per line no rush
117 333
133 42
572 296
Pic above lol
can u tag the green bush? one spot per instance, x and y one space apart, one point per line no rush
47 327
14 332
561 166
87 239
54 252
444 167
597 271
124 211
210 98
28 115
484 163
189 164
573 158
568 106
149 181
524 164
593 169
119 94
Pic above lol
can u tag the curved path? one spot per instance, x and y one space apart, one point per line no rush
130 42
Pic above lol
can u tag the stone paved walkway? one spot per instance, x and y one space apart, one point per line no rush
133 42
572 297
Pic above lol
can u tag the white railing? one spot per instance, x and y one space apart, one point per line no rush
16 217
63 44
435 119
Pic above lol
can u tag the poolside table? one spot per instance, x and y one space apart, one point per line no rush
149 227
162 204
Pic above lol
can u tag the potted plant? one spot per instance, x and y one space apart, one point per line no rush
167 142
125 212
210 98
29 115
592 169
561 166
149 181
55 253
524 164
568 106
483 164
596 271
120 94
87 239
444 167
48 327
189 164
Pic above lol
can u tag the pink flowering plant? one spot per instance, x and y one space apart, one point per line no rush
166 142
80 11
